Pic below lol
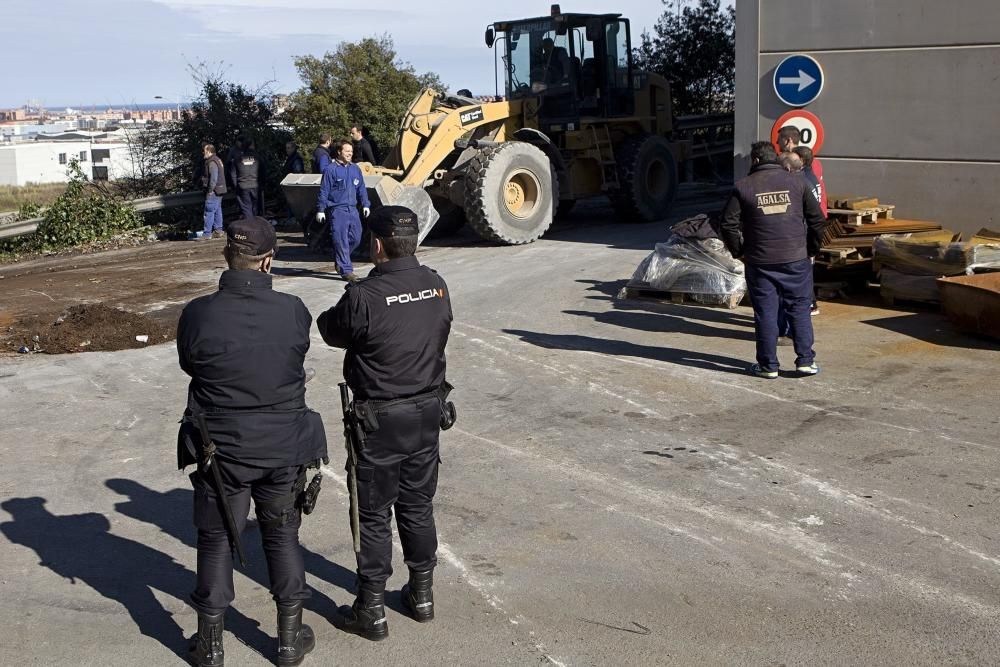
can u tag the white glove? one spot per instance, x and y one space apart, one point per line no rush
365 211
320 216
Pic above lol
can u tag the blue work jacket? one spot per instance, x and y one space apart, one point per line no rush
342 185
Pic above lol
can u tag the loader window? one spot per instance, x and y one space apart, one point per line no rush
618 66
538 61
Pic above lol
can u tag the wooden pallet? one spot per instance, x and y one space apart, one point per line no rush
861 217
643 292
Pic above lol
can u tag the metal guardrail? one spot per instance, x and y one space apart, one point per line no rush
709 135
702 121
143 205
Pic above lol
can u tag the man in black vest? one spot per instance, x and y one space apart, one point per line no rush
774 224
248 175
394 325
243 348
213 181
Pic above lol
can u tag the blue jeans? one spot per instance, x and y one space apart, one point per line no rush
777 287
345 231
213 213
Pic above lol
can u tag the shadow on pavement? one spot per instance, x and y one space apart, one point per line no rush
170 511
79 547
617 348
297 272
682 323
609 290
932 327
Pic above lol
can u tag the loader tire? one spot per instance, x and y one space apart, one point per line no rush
647 177
511 192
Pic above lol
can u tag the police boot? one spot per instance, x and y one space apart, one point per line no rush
418 596
294 639
366 617
206 646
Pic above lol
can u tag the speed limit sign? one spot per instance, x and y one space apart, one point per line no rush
810 129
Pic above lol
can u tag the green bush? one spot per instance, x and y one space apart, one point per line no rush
83 213
28 210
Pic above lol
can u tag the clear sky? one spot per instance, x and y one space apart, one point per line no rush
119 52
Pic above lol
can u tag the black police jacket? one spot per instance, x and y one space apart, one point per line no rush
244 347
772 217
394 325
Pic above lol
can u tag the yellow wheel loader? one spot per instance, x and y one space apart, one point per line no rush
578 121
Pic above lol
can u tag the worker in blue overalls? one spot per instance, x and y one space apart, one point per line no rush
339 192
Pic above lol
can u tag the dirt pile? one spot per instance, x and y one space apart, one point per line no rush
91 327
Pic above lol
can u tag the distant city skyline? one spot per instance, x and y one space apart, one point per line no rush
123 52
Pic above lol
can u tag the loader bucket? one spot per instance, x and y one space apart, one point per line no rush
301 191
387 191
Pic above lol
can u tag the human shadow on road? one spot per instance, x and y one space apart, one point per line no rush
79 547
297 272
609 290
662 323
170 511
619 348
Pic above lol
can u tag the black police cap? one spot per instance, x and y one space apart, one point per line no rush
251 236
393 221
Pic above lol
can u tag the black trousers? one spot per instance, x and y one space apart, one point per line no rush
250 202
398 471
270 487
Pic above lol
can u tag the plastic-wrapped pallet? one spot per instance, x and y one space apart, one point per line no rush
926 255
701 268
984 257
918 257
908 287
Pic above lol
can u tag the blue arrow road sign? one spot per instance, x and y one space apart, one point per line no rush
798 80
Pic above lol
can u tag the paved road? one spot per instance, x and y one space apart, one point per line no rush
615 492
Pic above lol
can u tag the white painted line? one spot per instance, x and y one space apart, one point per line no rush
706 377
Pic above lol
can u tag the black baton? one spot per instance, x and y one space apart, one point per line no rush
227 512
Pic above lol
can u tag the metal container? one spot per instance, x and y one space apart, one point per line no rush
973 302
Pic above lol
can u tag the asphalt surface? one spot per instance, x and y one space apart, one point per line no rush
616 491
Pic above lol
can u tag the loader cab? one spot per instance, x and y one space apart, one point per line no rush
575 66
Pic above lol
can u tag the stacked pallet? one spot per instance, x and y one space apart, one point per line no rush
846 244
854 223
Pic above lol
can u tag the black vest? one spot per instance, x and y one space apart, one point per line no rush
247 169
220 178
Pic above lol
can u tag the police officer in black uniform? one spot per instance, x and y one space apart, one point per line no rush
394 325
244 347
247 173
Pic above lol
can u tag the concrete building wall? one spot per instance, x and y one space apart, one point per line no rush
40 162
909 103
8 167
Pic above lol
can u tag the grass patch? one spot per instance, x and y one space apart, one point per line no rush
12 197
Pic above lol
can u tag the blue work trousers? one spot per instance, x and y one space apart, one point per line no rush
776 287
213 213
345 230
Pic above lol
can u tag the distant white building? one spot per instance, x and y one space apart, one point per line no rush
101 157
15 131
